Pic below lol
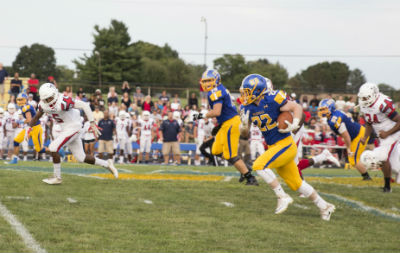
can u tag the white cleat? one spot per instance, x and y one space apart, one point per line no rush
52 180
112 168
327 212
283 204
330 157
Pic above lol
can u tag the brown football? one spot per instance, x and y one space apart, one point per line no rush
281 119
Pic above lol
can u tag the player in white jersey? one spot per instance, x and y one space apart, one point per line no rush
146 133
43 122
380 115
65 111
256 142
1 132
199 131
122 128
10 124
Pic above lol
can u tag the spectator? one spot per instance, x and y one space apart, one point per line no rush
88 138
193 100
113 109
147 104
166 109
80 91
294 97
126 100
97 114
314 100
160 105
126 88
306 113
164 97
100 99
189 132
350 105
68 91
16 85
33 86
106 144
31 101
340 103
156 115
112 96
133 108
313 109
170 130
175 104
138 96
51 79
3 76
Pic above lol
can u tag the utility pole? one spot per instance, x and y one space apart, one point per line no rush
203 19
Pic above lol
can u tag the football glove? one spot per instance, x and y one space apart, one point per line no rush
198 116
290 126
244 118
95 129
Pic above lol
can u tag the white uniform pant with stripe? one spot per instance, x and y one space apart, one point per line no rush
71 139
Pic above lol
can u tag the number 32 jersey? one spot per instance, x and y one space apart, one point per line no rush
265 115
63 112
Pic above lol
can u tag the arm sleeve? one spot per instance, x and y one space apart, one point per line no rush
86 108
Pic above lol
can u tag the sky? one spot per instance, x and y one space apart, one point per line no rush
296 33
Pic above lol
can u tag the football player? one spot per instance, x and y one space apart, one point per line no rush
122 128
262 107
146 133
371 160
10 124
65 111
380 115
35 132
350 131
227 139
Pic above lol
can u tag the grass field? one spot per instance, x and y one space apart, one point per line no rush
192 209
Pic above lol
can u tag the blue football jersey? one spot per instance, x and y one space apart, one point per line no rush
338 118
29 108
265 115
221 95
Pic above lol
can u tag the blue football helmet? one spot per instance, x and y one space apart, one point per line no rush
21 99
210 79
253 86
326 107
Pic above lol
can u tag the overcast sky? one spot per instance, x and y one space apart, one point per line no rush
327 28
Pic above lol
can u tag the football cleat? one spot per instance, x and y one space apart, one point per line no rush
327 212
386 189
283 204
14 160
52 180
112 168
252 181
330 157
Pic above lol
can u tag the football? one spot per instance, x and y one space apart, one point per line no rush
282 118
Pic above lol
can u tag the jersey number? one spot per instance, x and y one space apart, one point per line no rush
57 118
263 127
371 118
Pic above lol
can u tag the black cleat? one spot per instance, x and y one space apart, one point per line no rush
252 181
386 190
367 178
241 178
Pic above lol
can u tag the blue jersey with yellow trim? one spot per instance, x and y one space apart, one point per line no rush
29 108
221 95
265 115
338 118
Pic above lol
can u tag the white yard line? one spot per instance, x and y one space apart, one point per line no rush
227 204
72 201
28 239
227 179
149 202
18 197
301 206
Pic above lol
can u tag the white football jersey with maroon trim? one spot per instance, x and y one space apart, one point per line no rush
145 127
63 112
255 133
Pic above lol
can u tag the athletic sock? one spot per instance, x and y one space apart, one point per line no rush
387 182
365 175
101 162
57 170
320 202
248 175
319 158
279 192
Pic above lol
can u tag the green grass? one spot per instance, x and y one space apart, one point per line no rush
187 216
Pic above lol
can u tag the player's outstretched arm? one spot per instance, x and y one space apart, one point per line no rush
35 119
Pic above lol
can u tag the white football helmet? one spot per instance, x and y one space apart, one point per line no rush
368 94
122 114
369 159
11 108
146 115
48 94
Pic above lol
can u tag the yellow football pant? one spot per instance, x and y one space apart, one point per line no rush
280 156
227 139
356 147
35 134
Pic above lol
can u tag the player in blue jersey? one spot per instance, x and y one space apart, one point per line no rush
262 107
352 133
227 138
35 132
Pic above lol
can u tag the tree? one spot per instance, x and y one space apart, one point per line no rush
65 73
38 59
154 52
112 56
326 76
275 72
233 69
356 79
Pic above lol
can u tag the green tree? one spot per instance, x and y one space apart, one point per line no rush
154 52
233 68
38 59
356 79
65 73
275 72
113 56
326 76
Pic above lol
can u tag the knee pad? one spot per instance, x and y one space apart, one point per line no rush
16 144
305 189
267 175
233 160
